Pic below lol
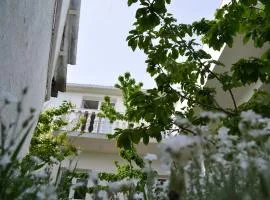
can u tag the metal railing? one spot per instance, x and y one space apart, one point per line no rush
91 123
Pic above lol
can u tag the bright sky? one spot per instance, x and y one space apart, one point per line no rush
103 53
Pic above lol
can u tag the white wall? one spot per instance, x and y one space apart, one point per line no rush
228 57
76 99
102 162
25 36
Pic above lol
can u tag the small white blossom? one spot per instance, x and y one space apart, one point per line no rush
258 132
261 164
36 159
180 120
223 133
5 160
250 116
46 192
176 143
213 115
150 157
138 196
243 160
245 145
102 194
218 157
178 148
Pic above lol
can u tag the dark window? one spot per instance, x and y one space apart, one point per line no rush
80 192
90 104
161 181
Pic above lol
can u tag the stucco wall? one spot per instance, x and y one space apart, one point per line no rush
76 99
102 162
61 19
228 57
25 36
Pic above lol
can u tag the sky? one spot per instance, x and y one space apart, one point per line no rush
102 51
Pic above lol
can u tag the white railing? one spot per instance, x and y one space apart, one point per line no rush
92 123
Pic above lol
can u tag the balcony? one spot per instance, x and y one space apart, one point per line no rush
91 123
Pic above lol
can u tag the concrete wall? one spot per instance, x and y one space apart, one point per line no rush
61 18
101 162
228 57
76 99
25 37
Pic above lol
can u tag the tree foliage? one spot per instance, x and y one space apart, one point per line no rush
49 142
181 67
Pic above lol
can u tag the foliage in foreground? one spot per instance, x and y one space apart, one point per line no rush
224 150
222 153
49 141
30 177
212 152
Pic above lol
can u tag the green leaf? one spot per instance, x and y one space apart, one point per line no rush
130 2
123 141
141 12
145 138
133 44
174 53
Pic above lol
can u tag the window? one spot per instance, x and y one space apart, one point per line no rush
90 104
161 181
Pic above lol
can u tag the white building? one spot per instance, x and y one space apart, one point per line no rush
97 152
38 39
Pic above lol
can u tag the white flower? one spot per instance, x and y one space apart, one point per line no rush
46 192
223 133
150 157
36 159
243 160
176 143
246 145
258 132
5 160
261 164
218 157
213 115
178 148
138 196
250 116
102 194
180 120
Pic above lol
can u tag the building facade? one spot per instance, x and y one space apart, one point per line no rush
37 40
97 153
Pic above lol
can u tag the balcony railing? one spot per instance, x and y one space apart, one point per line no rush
91 123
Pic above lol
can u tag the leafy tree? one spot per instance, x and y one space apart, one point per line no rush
180 68
174 58
49 142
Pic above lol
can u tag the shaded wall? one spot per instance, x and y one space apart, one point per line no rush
25 38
